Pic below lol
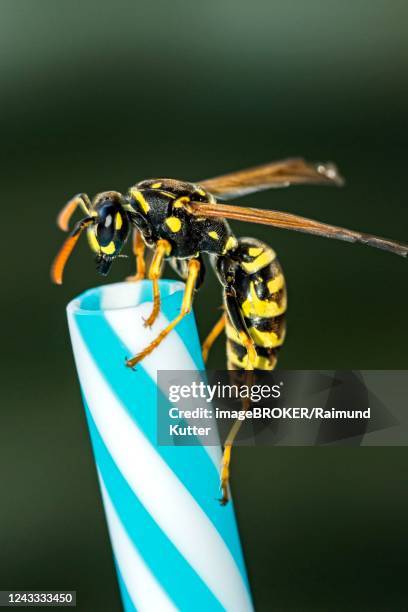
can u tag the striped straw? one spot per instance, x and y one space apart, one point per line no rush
174 546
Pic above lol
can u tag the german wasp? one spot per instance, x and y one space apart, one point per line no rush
180 221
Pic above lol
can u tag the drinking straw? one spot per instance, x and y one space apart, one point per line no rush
175 547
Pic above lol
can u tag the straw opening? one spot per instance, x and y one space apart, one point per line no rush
119 296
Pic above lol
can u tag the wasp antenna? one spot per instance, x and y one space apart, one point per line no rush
57 268
82 200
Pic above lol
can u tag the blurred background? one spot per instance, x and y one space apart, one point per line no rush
98 95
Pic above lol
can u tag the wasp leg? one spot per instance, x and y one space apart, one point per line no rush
82 200
212 336
163 249
181 267
138 246
193 273
235 320
226 456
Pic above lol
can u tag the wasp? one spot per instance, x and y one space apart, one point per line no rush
180 221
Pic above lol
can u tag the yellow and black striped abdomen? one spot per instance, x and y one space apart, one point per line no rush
261 293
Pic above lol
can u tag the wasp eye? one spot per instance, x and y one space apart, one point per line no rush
105 231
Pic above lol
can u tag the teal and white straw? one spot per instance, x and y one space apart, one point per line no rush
175 547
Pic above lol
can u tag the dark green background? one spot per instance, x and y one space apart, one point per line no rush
97 95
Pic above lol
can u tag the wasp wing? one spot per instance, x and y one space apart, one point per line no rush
276 174
284 220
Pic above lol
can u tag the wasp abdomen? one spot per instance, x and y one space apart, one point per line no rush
261 294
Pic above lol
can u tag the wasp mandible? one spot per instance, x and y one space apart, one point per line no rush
180 221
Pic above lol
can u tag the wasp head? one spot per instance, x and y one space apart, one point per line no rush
107 224
109 230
